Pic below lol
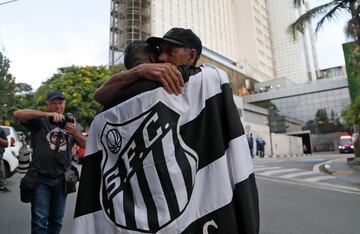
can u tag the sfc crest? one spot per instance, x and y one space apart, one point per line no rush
147 170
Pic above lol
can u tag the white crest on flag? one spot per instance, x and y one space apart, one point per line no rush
144 160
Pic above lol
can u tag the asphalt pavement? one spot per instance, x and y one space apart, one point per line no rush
286 206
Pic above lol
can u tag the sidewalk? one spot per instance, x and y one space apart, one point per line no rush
344 171
354 165
283 156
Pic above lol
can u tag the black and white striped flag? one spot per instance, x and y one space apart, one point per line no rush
160 163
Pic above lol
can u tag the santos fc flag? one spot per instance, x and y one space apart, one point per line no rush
161 163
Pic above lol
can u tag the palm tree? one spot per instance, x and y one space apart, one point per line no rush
328 11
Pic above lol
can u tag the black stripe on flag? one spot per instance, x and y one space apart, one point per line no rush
210 140
88 199
164 177
149 201
184 165
239 216
129 207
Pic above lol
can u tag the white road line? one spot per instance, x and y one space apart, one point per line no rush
318 178
259 166
319 185
302 173
266 168
268 173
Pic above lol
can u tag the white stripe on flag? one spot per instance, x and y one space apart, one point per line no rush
156 189
214 184
140 207
174 170
119 210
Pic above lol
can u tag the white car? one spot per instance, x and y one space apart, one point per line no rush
11 153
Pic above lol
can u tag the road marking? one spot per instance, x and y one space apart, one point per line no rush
302 173
343 172
266 168
318 178
325 186
260 166
268 173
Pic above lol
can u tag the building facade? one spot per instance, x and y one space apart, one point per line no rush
294 60
249 39
252 33
311 110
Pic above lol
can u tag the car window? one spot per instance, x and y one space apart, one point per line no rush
345 142
6 130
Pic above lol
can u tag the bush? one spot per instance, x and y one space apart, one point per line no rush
357 146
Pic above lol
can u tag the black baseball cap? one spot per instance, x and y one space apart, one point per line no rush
179 36
55 95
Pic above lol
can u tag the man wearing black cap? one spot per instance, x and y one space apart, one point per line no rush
141 115
51 159
177 47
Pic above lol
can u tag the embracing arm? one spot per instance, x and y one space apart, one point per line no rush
24 115
165 73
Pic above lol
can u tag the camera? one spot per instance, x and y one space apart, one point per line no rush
69 118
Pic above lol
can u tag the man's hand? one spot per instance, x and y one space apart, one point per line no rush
165 73
55 116
71 128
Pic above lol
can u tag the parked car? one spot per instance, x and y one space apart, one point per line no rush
13 138
11 153
346 144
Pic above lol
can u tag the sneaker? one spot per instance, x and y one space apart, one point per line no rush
5 190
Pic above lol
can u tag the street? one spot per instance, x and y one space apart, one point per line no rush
293 199
292 208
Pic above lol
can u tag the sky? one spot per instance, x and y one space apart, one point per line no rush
39 36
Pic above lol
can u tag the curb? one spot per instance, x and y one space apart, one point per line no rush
327 168
284 156
353 165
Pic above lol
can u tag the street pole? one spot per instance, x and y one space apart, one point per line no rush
270 130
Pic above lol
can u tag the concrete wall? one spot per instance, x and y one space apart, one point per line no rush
286 145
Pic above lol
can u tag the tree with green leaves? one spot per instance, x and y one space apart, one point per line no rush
7 87
352 118
326 12
78 85
13 95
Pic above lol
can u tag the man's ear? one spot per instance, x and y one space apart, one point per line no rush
192 56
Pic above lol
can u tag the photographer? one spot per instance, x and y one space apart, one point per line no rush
52 137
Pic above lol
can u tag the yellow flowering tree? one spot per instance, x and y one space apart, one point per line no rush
78 85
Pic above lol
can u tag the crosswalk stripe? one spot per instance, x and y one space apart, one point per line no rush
302 173
318 178
266 168
259 166
267 173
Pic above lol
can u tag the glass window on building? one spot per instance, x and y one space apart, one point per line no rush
319 113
